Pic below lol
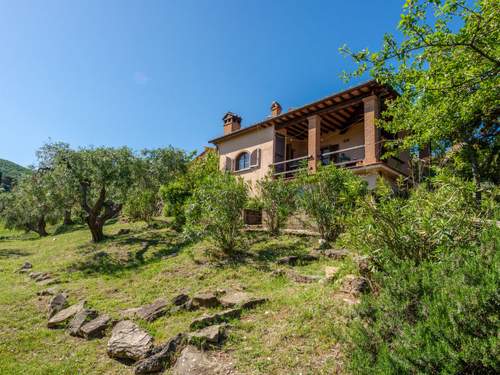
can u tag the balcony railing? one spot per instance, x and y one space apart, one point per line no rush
348 157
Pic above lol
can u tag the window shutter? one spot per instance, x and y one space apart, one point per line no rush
229 164
255 158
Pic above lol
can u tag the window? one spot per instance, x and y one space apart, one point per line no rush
243 161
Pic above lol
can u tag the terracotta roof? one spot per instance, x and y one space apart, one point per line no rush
357 91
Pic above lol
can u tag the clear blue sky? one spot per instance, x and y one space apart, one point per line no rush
152 73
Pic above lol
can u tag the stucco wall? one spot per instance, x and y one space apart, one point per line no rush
261 138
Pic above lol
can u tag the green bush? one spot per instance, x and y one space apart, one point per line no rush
215 210
436 278
141 205
174 196
277 198
329 197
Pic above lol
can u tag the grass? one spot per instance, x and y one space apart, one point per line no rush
296 332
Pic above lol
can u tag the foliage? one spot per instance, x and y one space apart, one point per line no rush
215 210
141 205
31 204
329 197
435 270
445 69
176 193
277 198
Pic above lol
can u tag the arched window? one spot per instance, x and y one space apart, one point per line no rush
243 161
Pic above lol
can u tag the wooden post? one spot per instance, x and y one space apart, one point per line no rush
313 142
371 112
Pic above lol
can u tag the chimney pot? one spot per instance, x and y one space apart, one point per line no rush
275 109
232 122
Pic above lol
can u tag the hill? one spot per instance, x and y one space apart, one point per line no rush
296 330
11 169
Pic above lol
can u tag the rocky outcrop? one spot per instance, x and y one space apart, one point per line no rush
354 285
205 300
208 336
209 319
195 362
162 356
57 303
64 315
129 342
81 318
96 327
153 311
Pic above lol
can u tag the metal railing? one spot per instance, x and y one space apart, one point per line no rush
288 168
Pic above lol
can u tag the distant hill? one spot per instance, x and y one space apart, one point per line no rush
10 171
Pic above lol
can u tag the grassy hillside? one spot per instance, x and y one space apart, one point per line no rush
11 169
296 332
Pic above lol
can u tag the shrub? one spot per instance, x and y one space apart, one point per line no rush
141 205
215 210
277 201
174 196
329 197
436 272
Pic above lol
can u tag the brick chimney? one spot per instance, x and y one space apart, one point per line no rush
275 109
232 122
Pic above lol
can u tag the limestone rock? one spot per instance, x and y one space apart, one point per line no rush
48 281
211 335
354 285
234 298
162 356
206 300
57 303
206 320
64 315
81 317
195 362
180 299
153 311
96 327
331 274
129 342
253 302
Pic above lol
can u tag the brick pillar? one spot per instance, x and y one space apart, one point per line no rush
371 112
313 141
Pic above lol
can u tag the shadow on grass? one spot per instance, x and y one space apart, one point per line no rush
62 229
13 253
103 262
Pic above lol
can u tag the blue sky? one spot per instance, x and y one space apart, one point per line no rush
152 73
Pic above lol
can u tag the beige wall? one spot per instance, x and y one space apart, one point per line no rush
260 138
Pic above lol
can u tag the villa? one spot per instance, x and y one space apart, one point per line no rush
338 129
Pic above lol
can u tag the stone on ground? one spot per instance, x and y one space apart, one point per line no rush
211 335
331 274
129 342
48 281
195 362
25 267
180 299
57 303
48 292
162 356
354 285
96 327
337 254
64 315
209 319
153 311
81 317
206 300
304 279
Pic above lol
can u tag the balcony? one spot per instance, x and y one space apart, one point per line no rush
348 158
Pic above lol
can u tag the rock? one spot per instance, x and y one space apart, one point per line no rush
162 356
129 313
206 300
64 315
48 292
352 284
304 279
153 311
205 337
206 320
278 273
290 260
363 263
57 303
25 267
253 302
195 362
331 274
129 342
234 298
47 282
34 274
81 318
335 254
180 299
123 231
96 327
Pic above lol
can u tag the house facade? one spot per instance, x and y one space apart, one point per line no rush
338 129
